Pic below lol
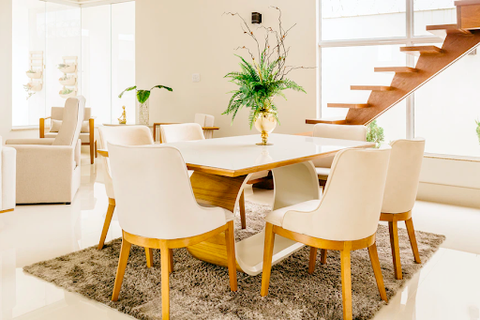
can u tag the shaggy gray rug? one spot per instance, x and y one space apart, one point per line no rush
201 291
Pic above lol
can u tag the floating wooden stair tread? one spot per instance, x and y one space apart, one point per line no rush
348 105
396 69
372 88
447 28
327 121
422 49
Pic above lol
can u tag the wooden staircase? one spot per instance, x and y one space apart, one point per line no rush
460 39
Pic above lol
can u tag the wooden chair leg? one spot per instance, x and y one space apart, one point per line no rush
323 258
346 284
397 266
106 224
313 260
413 240
165 283
372 251
122 264
267 258
170 265
243 217
92 153
149 256
96 153
232 261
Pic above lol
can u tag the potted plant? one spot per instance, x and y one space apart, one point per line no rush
32 87
67 80
34 74
142 98
262 79
478 130
66 93
67 67
375 133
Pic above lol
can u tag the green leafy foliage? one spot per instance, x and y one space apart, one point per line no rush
375 133
143 95
478 130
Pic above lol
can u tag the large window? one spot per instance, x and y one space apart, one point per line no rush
101 37
357 35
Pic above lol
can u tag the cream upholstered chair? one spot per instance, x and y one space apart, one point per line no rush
332 131
156 208
345 218
124 135
400 194
48 170
181 132
87 133
206 121
7 178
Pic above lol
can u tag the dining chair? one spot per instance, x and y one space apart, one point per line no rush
7 178
156 208
332 131
400 194
87 133
181 132
344 219
124 135
48 170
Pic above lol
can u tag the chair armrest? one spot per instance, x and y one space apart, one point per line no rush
41 127
8 168
44 160
103 152
40 141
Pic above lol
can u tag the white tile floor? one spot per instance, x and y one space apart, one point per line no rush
448 287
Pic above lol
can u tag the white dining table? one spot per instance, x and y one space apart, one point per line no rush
221 170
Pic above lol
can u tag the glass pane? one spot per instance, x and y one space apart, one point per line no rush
123 59
96 61
394 122
432 12
63 40
446 109
28 34
356 19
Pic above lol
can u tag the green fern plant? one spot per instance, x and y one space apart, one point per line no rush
143 95
478 130
375 133
265 77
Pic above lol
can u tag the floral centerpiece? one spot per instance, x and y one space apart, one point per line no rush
263 78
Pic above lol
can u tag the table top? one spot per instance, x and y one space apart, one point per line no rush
237 156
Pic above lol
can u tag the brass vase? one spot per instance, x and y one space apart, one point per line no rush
265 123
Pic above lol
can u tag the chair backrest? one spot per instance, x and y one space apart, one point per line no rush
332 131
403 175
57 113
73 114
205 120
350 206
124 135
181 132
154 197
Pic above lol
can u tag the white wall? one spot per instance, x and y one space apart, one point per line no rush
5 68
175 39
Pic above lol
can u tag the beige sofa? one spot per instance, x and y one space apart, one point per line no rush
7 178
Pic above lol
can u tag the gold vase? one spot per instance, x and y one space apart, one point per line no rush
265 123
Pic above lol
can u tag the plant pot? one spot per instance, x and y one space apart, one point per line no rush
143 113
69 68
68 95
265 123
36 86
70 81
35 75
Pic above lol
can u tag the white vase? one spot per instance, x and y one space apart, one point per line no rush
143 110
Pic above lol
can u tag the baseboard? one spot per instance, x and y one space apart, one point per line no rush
454 195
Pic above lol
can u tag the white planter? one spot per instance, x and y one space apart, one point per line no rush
69 68
65 96
36 87
70 81
35 75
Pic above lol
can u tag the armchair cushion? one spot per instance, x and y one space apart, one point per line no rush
56 124
38 141
276 216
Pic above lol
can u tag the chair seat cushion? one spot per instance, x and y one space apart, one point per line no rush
323 172
84 137
276 216
228 214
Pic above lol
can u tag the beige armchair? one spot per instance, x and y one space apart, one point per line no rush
87 133
48 170
7 178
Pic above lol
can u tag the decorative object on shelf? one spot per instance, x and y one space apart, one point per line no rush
123 117
256 18
261 80
69 80
375 133
35 73
478 130
143 105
